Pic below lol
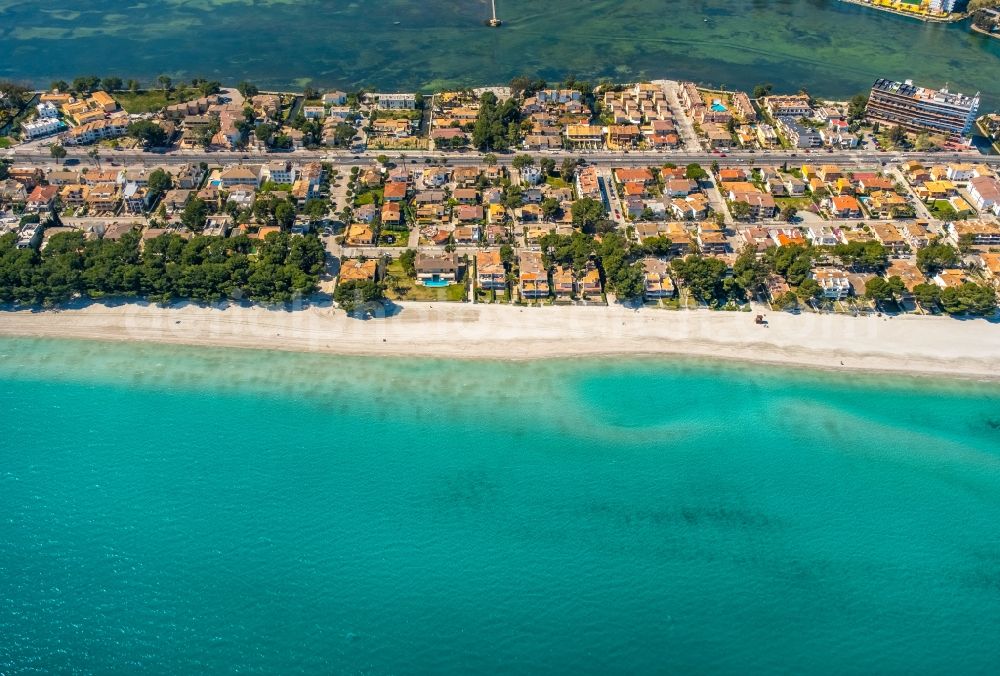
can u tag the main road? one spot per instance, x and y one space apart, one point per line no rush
38 154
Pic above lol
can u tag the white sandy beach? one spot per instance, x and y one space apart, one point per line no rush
902 344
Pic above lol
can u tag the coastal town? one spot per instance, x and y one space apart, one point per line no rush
663 194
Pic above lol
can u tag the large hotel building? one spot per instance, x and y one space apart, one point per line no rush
921 109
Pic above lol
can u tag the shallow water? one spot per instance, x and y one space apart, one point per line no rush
834 48
181 509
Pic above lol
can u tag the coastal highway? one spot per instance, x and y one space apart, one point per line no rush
37 154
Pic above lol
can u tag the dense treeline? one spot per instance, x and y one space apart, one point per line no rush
613 254
497 124
169 267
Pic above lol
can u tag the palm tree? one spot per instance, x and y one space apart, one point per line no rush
96 156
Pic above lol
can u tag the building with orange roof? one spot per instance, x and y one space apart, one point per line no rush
357 270
490 270
843 206
640 175
533 278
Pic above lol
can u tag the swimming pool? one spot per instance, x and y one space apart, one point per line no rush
436 283
717 106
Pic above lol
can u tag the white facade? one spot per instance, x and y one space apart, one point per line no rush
531 174
47 110
335 98
395 101
42 127
834 283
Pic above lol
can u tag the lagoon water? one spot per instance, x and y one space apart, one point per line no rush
182 510
835 48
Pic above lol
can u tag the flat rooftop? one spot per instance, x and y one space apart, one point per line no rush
912 91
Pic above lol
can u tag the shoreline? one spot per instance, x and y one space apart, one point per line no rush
943 347
977 29
954 17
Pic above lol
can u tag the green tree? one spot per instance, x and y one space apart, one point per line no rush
112 84
284 214
927 295
264 133
970 299
57 151
808 290
792 262
883 290
749 270
587 212
936 256
315 208
787 301
788 213
702 276
247 90
209 87
862 255
695 172
628 281
490 159
522 161
568 169
762 90
86 84
148 133
740 210
656 246
407 261
550 208
159 182
195 215
497 125
856 107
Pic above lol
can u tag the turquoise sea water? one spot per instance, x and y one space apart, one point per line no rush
181 510
833 48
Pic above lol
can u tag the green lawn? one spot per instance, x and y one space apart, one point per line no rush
407 288
152 100
401 238
942 210
368 197
800 203
556 182
399 114
5 142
